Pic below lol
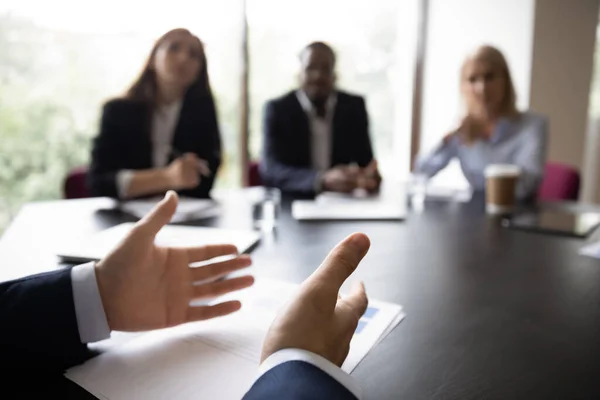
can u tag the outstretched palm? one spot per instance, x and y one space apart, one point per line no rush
144 286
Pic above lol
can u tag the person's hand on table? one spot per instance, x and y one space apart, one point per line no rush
186 172
318 319
369 178
342 178
144 286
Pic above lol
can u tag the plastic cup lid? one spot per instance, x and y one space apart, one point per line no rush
502 170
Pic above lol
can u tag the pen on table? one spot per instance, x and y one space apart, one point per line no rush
202 164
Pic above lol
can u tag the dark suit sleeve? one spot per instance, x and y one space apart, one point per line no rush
210 150
273 171
38 323
106 155
365 150
297 380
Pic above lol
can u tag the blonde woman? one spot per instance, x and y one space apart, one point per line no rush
493 130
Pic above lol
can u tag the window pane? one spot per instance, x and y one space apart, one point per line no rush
374 42
58 67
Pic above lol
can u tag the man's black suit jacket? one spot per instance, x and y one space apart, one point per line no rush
286 159
124 142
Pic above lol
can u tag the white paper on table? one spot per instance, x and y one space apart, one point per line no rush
99 245
383 318
437 192
389 204
388 194
188 208
205 360
591 250
217 358
313 210
379 319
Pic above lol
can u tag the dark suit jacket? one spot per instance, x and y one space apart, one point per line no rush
39 333
124 142
297 380
39 325
286 160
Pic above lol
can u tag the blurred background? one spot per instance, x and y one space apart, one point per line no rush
60 60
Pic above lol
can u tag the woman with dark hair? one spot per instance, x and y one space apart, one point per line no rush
163 134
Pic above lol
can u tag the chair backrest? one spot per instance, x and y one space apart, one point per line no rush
75 185
254 178
561 182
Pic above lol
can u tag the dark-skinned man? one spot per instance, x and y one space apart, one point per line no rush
316 138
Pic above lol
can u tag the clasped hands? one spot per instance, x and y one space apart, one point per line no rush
347 178
144 286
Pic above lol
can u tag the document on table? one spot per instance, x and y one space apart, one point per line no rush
188 208
335 206
212 359
99 245
591 250
437 192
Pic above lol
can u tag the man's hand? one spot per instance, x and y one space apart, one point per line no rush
185 172
369 178
341 179
317 319
144 286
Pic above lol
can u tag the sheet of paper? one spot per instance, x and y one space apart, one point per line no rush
591 250
379 320
99 245
188 209
388 194
267 296
205 360
389 204
438 192
347 210
218 358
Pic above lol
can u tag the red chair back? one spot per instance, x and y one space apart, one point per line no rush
75 186
561 182
254 174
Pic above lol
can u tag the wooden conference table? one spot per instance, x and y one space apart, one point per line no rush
492 313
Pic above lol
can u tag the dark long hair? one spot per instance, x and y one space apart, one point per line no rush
145 87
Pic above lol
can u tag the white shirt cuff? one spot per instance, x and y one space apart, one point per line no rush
91 318
123 180
322 363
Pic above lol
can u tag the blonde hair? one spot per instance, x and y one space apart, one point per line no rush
492 56
508 108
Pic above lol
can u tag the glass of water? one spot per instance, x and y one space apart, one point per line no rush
418 190
266 207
